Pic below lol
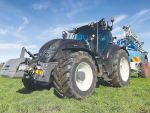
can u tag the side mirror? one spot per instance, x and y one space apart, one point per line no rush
142 43
105 25
65 35
113 38
92 25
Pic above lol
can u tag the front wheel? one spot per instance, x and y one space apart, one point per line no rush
32 85
76 75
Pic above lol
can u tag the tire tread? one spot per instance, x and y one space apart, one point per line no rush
63 70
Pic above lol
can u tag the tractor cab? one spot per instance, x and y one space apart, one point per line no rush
96 36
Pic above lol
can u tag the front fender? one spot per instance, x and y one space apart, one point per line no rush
81 48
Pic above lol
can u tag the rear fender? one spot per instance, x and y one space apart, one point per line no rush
143 56
109 55
112 50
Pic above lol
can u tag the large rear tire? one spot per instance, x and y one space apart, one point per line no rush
121 70
144 69
76 75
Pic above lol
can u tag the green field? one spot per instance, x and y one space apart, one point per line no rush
14 98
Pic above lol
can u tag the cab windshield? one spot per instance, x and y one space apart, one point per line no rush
84 33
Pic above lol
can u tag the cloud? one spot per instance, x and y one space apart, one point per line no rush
14 46
147 34
18 35
116 30
144 35
57 31
119 18
142 12
40 6
69 7
139 14
144 19
14 32
75 7
54 31
119 36
3 32
81 5
2 40
26 21
5 58
70 14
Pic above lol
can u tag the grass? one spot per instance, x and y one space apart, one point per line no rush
14 98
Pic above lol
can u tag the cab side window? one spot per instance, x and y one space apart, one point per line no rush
103 38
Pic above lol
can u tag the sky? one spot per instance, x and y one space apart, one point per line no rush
31 23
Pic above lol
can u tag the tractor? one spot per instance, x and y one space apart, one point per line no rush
74 63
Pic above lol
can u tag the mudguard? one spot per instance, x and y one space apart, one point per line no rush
109 55
143 56
79 48
14 68
82 48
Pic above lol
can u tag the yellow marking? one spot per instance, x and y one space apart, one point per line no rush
135 59
39 71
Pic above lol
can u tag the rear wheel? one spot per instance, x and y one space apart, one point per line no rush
144 70
121 70
76 75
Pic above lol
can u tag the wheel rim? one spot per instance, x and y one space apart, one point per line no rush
83 76
124 69
146 69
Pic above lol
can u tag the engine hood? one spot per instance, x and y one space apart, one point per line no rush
49 49
46 46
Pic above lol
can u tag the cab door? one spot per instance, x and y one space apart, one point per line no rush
103 39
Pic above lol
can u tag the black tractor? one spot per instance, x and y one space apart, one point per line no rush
74 63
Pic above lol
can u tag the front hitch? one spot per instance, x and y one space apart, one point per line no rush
15 68
30 54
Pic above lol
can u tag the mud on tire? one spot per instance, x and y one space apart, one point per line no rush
76 75
121 70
